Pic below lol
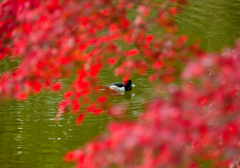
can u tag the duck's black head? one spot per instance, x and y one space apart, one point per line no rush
128 85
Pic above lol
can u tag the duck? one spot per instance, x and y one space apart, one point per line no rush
119 86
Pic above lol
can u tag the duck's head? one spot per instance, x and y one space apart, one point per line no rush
128 83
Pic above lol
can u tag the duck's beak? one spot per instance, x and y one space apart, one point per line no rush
132 85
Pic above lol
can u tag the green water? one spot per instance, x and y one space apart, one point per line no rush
215 22
29 137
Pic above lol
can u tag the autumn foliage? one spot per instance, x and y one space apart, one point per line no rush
195 125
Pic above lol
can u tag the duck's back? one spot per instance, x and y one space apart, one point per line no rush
118 84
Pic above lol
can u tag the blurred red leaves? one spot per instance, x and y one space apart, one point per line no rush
150 38
193 70
183 39
65 60
95 69
80 119
102 99
70 156
76 106
22 96
37 87
196 120
173 10
112 61
158 64
57 86
132 52
117 110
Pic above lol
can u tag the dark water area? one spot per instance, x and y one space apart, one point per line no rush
29 136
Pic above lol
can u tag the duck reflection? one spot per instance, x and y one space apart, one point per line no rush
126 95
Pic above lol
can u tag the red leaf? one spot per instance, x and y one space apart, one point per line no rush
150 38
126 23
91 108
41 64
37 87
27 28
82 74
158 64
80 119
203 129
102 99
83 47
84 20
113 27
204 101
95 69
65 60
174 10
70 156
132 52
76 106
57 86
22 96
112 61
113 127
73 155
234 91
98 111
6 49
105 12
184 38
2 56
83 85
68 94
153 77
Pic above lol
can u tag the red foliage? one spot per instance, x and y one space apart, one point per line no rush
193 124
80 119
95 70
22 96
102 99
117 110
132 52
76 106
198 121
112 61
150 38
57 86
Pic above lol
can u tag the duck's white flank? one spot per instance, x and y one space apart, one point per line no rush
116 88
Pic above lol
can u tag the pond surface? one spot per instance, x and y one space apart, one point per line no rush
29 137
